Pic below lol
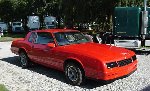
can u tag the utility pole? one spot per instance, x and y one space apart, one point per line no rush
59 7
144 22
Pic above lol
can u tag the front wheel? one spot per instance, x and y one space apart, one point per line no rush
74 74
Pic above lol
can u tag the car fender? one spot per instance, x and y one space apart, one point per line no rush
22 49
76 59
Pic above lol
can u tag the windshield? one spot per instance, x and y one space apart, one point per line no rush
67 38
14 24
2 23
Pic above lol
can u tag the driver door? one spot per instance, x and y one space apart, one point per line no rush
41 50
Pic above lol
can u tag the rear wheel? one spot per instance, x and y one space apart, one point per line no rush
74 74
24 59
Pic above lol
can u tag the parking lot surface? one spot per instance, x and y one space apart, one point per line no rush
39 78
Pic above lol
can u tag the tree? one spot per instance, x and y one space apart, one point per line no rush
7 10
72 11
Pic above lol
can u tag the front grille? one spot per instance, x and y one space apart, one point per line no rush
111 65
18 29
121 63
124 62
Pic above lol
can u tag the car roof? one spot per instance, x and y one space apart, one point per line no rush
56 30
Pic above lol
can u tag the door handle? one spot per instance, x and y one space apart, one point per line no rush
46 50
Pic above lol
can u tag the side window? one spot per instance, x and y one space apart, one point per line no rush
61 38
33 37
44 38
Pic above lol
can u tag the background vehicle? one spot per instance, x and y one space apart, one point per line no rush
1 32
33 23
4 26
17 27
71 52
131 27
50 22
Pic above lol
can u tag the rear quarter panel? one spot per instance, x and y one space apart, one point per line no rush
21 43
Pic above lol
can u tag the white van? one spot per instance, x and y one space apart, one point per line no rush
33 23
4 26
1 32
50 22
17 27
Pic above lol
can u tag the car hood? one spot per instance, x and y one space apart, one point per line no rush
99 51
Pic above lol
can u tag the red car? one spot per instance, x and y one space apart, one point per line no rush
70 51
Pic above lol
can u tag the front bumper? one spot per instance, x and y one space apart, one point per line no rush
118 72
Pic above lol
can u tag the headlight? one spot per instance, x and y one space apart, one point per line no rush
134 58
111 65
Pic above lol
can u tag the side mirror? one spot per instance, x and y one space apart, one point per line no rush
51 45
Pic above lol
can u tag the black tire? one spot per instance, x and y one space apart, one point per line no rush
24 59
74 74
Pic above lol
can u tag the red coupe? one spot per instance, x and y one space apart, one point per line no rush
70 51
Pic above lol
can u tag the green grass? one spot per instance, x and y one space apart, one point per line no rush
3 88
10 37
21 35
4 39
